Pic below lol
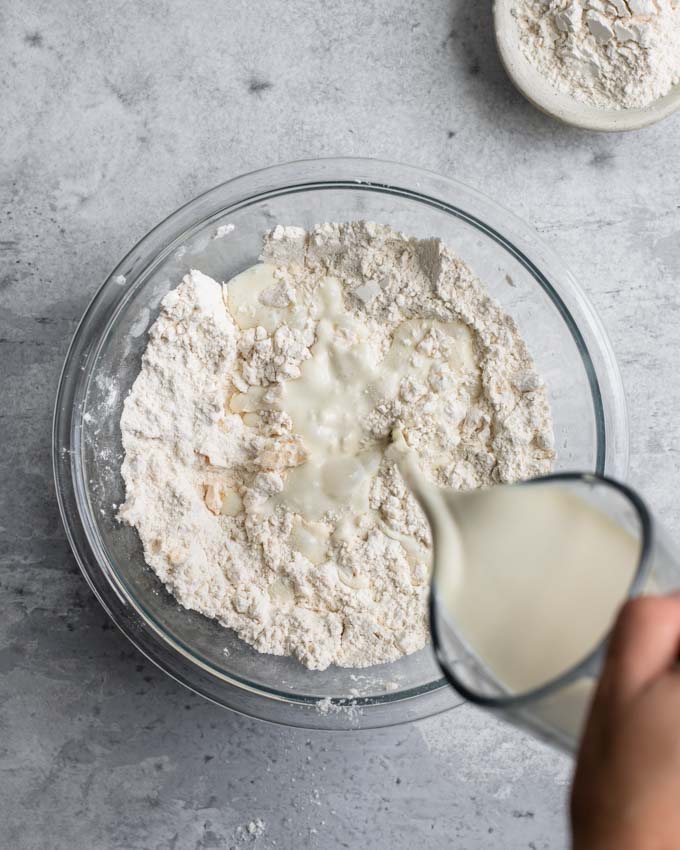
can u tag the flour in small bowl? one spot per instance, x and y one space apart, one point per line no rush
256 433
613 54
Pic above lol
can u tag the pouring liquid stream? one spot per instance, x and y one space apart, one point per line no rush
527 582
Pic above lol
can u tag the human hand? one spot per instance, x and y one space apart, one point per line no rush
626 790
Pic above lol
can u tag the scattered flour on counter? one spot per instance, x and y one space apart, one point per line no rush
614 54
252 830
256 431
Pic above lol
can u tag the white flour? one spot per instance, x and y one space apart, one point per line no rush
216 473
614 54
252 830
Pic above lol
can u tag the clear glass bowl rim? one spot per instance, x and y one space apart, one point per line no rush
409 182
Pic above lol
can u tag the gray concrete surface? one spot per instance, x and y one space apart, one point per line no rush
114 113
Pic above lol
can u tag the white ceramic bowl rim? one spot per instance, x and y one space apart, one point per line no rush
544 97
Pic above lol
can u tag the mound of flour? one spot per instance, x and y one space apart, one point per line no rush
210 447
614 54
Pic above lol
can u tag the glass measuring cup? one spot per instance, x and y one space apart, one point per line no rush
522 628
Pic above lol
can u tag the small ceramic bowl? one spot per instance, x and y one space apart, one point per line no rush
543 96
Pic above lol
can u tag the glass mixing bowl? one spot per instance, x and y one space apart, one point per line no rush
564 335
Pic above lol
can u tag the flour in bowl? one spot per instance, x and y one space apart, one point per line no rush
255 436
614 54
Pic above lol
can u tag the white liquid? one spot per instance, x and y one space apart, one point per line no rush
530 578
345 378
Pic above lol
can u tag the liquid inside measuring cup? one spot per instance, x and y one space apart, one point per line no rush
530 577
535 580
